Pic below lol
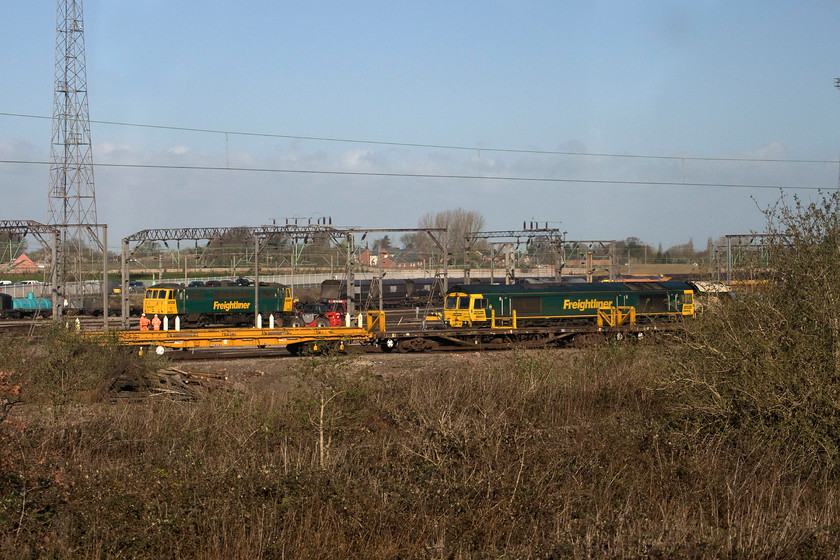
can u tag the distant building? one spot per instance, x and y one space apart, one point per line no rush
410 259
369 258
24 265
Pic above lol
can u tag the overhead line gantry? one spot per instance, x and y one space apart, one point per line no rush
552 235
294 231
39 231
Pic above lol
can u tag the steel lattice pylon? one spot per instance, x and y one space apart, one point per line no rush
71 199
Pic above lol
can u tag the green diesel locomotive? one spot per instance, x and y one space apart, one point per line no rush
549 304
205 305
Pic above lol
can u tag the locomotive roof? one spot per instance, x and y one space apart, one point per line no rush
572 287
230 288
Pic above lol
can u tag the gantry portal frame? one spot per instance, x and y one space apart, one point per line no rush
553 235
40 232
58 292
165 235
574 247
346 234
738 245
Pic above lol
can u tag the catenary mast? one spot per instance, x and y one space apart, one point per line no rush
72 201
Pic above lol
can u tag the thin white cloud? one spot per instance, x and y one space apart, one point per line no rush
771 150
179 150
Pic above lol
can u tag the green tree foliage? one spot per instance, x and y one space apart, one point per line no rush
383 244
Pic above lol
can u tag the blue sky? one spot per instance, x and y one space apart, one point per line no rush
701 86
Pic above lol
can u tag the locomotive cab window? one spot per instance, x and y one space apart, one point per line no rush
480 303
463 302
451 302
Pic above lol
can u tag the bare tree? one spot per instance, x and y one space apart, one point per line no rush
458 223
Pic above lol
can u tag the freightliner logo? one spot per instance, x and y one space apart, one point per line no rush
583 304
231 305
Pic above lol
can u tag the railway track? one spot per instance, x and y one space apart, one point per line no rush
200 354
31 325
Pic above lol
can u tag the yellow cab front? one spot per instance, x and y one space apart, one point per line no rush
462 310
160 301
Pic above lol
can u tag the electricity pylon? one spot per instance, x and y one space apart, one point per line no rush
72 200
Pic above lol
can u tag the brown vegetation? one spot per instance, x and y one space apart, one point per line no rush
524 454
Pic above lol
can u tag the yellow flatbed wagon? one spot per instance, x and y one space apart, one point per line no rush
296 340
318 339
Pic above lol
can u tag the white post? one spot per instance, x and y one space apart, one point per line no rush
166 322
259 320
178 321
271 321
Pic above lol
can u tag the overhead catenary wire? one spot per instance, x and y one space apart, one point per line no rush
481 176
435 176
434 146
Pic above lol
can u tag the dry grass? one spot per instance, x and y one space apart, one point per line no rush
537 454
